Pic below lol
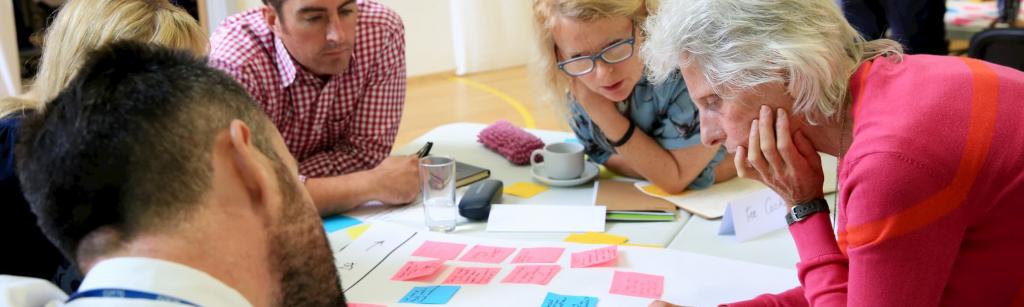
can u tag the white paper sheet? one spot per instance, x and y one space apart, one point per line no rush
690 279
546 218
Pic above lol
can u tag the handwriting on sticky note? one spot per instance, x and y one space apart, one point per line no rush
487 254
538 255
532 274
594 257
472 275
558 300
417 269
637 284
524 189
439 250
430 295
595 238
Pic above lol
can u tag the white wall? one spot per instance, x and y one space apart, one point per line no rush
428 35
466 36
10 71
491 34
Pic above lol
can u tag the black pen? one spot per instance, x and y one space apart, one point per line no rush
425 150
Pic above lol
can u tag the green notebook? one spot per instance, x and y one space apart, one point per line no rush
626 203
466 174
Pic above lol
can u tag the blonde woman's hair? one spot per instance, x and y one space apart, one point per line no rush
84 25
740 44
554 84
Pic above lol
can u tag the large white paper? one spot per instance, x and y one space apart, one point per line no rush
690 279
546 218
710 203
754 215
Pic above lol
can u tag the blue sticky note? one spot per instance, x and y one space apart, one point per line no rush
430 295
558 300
339 222
572 140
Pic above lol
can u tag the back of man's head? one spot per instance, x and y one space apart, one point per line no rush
128 144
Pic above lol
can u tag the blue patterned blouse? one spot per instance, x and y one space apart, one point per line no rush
664 112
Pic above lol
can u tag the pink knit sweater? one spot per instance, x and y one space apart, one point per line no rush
931 196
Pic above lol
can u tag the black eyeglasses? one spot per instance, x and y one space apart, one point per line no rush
613 54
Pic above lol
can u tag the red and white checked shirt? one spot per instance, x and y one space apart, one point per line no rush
343 125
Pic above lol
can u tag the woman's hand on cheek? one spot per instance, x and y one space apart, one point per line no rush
784 161
589 100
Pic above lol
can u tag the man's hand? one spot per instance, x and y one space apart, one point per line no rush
397 180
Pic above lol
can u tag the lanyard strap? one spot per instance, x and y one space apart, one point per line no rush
131 294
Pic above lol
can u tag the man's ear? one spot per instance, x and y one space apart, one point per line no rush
253 174
272 19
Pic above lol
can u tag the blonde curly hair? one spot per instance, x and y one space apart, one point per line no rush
84 25
554 84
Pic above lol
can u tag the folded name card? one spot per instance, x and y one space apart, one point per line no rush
754 215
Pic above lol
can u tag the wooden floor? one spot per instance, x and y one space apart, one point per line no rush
439 99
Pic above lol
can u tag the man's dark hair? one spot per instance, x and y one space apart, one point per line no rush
127 144
277 5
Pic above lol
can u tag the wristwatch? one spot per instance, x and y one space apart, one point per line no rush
803 210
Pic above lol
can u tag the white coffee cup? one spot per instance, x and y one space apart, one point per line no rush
561 160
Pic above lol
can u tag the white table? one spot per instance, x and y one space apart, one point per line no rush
459 141
687 233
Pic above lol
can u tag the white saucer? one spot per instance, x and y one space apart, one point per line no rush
590 171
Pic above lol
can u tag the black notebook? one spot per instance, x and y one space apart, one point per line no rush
466 174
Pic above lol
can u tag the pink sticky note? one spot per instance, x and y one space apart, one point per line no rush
637 284
439 250
532 274
602 256
538 255
414 270
471 275
364 305
487 254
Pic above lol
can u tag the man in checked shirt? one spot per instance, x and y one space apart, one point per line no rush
330 74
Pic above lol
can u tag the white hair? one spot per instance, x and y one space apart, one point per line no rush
741 44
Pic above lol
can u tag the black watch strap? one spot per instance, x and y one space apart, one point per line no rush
803 210
625 138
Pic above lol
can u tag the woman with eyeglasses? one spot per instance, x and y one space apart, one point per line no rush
589 60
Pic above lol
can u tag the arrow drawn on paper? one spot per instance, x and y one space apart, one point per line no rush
375 244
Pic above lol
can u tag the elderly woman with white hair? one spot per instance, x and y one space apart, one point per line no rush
931 178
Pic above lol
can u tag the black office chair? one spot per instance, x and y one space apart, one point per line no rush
1001 46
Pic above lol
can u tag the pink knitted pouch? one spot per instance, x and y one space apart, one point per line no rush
512 142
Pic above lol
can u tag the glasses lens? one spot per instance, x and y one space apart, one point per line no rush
578 66
618 53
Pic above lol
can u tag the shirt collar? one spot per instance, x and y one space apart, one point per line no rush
285 64
162 277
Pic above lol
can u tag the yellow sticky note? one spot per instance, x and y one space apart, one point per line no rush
653 189
524 189
355 231
596 238
605 173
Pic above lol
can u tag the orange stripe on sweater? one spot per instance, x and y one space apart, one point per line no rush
981 127
860 87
